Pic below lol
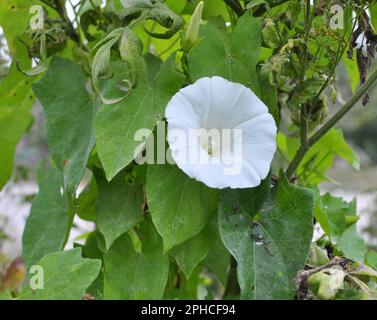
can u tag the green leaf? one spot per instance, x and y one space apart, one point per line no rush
87 5
119 207
47 223
85 203
373 14
320 157
166 18
142 4
269 95
101 63
371 259
263 245
180 206
14 19
161 47
352 245
304 92
117 124
352 72
5 295
66 276
212 8
176 6
91 250
16 99
217 261
16 96
190 253
133 275
70 112
331 213
233 57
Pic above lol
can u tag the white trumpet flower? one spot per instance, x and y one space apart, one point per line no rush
221 133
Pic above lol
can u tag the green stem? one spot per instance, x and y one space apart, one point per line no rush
331 123
304 127
236 6
339 58
60 8
343 111
308 26
295 162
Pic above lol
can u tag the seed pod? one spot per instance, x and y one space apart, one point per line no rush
317 257
326 283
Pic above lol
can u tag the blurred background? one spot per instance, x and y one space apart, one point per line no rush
360 129
17 196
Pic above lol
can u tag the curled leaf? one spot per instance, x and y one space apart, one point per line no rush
42 67
130 47
256 3
144 4
166 18
131 50
125 85
101 63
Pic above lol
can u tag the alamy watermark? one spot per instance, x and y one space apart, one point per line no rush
336 21
191 147
36 281
36 22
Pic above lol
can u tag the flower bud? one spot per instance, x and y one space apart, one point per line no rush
192 32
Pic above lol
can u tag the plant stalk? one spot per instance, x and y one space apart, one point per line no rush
331 123
236 7
60 8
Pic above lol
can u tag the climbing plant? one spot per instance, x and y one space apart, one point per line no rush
103 70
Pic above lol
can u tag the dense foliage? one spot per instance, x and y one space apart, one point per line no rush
159 234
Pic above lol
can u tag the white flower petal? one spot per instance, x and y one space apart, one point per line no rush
216 103
259 156
259 131
192 103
